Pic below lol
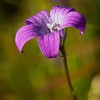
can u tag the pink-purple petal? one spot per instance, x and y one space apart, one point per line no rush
68 17
24 34
49 44
41 19
74 19
57 13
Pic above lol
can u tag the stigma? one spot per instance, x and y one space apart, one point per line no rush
53 27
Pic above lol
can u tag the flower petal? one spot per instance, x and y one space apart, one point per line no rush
74 19
49 44
68 17
57 13
41 19
24 34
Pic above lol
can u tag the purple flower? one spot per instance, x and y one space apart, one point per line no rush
49 29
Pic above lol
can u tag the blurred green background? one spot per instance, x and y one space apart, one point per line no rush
31 76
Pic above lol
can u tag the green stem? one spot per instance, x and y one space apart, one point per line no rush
67 72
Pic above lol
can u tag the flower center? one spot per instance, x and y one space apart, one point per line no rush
53 27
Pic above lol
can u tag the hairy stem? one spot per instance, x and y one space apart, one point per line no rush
67 72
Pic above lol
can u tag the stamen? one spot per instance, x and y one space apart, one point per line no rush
53 27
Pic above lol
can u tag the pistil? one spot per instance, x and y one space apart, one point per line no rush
53 27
